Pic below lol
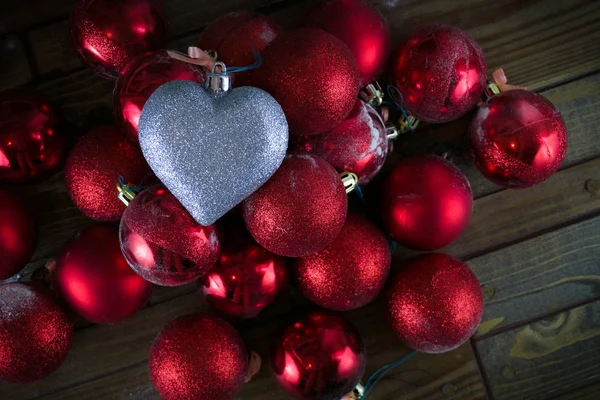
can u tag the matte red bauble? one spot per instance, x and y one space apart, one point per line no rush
300 210
435 303
359 144
95 280
198 356
441 73
313 75
427 202
140 78
18 233
361 27
33 145
35 334
517 139
318 357
233 37
93 169
110 33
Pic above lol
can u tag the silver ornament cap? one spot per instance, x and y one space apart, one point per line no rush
217 80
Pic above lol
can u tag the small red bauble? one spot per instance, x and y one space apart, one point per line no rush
18 233
300 210
440 71
359 144
435 303
110 33
427 202
233 37
140 78
319 357
517 139
198 356
313 75
95 280
93 169
33 145
361 27
35 334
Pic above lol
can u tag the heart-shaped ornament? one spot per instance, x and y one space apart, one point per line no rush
212 150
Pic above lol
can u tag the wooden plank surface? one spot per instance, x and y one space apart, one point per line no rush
14 66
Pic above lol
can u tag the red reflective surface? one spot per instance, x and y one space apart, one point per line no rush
18 233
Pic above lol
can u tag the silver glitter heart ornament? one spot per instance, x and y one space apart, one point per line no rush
212 147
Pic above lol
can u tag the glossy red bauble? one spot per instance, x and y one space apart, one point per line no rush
198 356
361 27
427 203
318 357
300 210
313 75
95 280
18 233
440 71
35 334
33 145
435 303
517 139
110 33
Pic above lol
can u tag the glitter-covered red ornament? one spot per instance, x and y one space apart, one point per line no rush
18 233
517 139
427 202
96 281
110 33
300 210
35 334
93 169
440 71
198 356
314 77
318 357
435 303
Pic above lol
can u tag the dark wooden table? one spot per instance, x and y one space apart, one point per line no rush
536 251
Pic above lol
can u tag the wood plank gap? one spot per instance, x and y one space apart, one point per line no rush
480 367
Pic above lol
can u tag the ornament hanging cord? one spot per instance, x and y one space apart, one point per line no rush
399 105
383 371
197 56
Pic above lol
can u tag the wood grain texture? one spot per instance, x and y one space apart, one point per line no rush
53 49
14 66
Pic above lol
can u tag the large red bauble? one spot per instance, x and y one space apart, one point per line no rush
313 75
435 303
95 280
35 334
110 33
361 27
93 169
233 37
318 357
427 202
18 233
198 356
33 145
300 210
517 139
440 71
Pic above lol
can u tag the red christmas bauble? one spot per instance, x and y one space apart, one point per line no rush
435 303
517 139
198 356
95 280
313 75
351 271
35 334
359 144
140 78
361 27
110 33
93 169
300 210
440 71
234 34
163 243
33 145
318 357
427 202
18 233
